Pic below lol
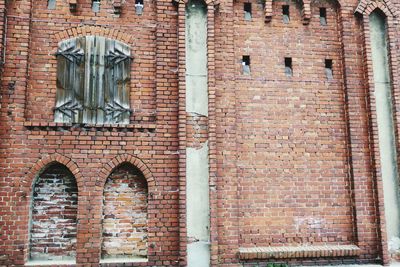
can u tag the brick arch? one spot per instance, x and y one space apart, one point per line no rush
94 30
136 162
366 7
43 163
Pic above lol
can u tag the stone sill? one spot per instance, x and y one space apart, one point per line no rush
288 252
50 262
89 127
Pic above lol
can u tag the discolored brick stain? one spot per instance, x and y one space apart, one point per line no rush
125 214
54 215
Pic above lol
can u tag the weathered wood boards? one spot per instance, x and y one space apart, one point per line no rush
93 81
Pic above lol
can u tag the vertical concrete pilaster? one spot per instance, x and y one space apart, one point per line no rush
197 160
386 135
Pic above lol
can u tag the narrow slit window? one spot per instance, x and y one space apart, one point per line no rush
246 64
247 11
139 7
328 69
285 13
95 6
322 16
288 66
51 4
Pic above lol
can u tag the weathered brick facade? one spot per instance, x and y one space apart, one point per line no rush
125 214
294 172
54 214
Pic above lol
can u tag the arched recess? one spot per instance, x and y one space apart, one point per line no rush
53 218
41 164
382 83
126 158
125 216
366 7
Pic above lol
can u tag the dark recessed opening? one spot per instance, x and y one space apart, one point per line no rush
247 11
95 6
285 13
51 4
139 5
246 64
328 68
288 66
322 16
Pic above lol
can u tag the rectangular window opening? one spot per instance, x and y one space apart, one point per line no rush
288 66
51 4
246 64
95 6
247 11
139 5
328 69
285 13
322 16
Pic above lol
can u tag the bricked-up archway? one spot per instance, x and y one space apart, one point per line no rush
53 226
124 221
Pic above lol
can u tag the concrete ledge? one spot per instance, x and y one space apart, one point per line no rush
287 252
50 262
123 260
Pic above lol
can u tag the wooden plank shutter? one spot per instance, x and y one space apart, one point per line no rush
93 81
93 111
117 82
70 77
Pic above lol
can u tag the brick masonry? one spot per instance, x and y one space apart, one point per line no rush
293 160
125 214
54 215
291 123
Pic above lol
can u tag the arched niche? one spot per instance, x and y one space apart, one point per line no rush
125 217
382 86
53 218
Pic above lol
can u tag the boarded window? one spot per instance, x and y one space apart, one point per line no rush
93 81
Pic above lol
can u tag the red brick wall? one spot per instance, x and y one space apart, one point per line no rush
29 137
292 160
138 32
291 132
54 215
125 214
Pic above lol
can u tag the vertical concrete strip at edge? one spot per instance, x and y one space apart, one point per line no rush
196 58
198 206
384 111
197 162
